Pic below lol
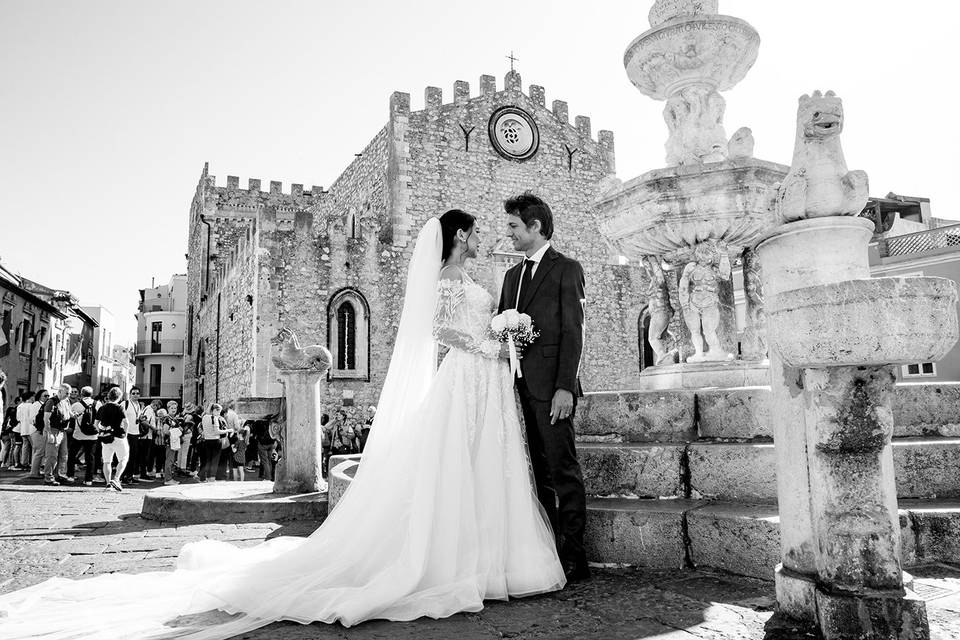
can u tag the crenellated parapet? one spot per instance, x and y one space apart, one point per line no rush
433 103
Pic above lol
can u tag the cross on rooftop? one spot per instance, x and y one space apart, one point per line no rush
512 60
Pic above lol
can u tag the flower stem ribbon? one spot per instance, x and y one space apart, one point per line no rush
514 360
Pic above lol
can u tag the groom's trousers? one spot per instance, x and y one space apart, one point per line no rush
557 474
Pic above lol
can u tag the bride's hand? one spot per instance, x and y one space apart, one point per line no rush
505 351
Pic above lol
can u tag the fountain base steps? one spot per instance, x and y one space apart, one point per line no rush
231 502
738 537
746 472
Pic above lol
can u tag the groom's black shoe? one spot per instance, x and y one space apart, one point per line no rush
576 571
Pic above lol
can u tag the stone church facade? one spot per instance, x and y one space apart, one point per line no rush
330 263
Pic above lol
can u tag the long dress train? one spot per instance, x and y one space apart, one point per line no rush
440 516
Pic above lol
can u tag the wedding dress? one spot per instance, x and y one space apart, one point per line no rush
441 515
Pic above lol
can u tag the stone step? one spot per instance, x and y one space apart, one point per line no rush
739 538
746 472
739 414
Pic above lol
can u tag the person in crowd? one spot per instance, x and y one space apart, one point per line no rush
225 464
188 431
9 434
174 442
343 437
138 423
112 428
266 448
365 429
324 443
195 459
20 442
239 441
57 418
213 428
33 454
84 437
160 435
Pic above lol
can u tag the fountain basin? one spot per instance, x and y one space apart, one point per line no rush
707 49
668 209
868 322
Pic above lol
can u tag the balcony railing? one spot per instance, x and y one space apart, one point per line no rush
157 304
940 238
165 390
147 347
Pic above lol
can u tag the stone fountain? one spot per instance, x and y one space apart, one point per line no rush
691 224
835 334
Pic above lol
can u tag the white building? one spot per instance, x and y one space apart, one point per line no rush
161 328
102 348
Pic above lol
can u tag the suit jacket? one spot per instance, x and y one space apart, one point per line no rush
554 301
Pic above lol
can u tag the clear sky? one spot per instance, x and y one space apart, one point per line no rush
108 109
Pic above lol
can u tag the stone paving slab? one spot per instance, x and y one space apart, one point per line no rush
627 604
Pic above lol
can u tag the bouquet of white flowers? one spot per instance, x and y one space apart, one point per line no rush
516 329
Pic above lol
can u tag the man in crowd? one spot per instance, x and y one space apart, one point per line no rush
32 455
224 468
112 426
84 436
139 420
10 436
365 429
266 448
57 416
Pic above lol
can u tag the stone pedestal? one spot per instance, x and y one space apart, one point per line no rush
833 334
300 469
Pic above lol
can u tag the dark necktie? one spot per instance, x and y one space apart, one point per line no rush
526 278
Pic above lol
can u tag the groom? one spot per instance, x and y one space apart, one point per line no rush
549 288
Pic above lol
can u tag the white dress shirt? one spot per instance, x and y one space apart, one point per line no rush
535 258
24 421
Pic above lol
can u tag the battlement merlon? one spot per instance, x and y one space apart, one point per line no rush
433 101
254 189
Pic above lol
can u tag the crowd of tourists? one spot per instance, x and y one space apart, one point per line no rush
117 440
342 436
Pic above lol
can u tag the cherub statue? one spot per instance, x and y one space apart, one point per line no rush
700 300
290 355
658 306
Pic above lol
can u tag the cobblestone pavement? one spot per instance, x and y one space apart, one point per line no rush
81 531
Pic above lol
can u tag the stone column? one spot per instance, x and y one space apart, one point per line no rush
301 370
833 333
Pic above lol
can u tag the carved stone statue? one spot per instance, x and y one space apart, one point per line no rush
694 117
754 345
658 306
741 143
700 300
818 183
289 355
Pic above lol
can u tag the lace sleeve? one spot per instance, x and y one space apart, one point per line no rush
447 319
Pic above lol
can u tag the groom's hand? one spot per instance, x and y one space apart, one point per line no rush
562 405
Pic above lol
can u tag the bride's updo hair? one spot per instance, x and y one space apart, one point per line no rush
451 222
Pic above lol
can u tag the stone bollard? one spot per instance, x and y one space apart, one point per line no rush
301 370
834 333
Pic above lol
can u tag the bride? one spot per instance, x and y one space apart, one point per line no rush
441 515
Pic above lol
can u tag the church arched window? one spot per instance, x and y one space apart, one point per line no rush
352 225
348 335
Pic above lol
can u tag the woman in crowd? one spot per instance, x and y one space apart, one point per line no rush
212 427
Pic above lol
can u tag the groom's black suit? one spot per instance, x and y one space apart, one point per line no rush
553 298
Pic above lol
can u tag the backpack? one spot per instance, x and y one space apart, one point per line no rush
86 420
